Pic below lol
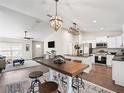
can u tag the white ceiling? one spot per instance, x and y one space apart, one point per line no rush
109 14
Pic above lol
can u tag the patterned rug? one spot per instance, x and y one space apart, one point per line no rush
18 87
24 87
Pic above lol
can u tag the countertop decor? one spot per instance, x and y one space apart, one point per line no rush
77 48
77 55
118 58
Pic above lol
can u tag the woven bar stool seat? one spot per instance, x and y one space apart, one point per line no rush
35 74
48 87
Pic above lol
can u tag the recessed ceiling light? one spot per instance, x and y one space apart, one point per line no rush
101 28
94 21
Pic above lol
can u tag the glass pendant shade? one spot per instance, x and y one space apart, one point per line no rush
56 23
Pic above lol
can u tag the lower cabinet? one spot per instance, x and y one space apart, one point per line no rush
109 60
117 72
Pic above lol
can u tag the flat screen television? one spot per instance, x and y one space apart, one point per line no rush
51 44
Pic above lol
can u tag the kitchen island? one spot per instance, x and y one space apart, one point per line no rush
84 59
117 70
69 69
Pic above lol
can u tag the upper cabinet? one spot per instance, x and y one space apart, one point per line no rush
119 42
123 36
93 44
114 42
111 42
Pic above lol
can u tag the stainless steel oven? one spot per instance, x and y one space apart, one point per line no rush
100 59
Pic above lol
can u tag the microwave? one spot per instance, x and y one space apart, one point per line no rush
101 45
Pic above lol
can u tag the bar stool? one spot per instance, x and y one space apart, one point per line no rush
35 79
77 81
48 87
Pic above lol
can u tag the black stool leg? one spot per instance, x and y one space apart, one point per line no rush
77 83
33 84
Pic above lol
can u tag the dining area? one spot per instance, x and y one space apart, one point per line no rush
64 75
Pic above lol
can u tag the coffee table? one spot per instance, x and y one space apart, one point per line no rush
20 61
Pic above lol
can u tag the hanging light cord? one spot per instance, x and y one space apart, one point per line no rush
56 6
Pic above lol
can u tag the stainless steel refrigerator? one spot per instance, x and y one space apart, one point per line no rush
86 49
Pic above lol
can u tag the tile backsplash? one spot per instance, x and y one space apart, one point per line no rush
109 50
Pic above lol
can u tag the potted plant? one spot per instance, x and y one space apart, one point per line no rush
77 48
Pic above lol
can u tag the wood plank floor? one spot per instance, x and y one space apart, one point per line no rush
100 75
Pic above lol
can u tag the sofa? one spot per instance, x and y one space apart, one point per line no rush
2 63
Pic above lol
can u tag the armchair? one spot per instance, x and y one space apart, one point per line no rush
2 63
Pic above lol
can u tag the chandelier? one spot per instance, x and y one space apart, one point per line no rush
56 21
74 30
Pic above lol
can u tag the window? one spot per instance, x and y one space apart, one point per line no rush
10 50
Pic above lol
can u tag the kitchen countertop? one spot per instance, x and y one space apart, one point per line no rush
77 56
108 54
118 58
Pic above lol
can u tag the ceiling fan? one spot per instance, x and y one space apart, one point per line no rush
28 38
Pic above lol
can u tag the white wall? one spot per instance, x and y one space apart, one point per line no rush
25 54
93 35
63 41
13 24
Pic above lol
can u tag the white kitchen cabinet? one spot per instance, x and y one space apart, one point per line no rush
93 58
118 42
117 72
122 36
114 42
111 42
109 60
93 45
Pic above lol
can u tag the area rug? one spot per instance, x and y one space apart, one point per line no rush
27 63
23 87
17 87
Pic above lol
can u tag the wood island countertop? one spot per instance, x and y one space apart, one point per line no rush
69 68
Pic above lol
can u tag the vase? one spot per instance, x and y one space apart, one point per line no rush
78 52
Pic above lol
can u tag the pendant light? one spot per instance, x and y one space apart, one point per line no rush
56 21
